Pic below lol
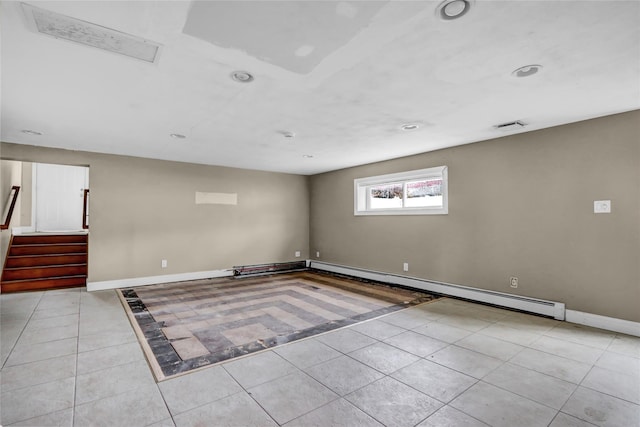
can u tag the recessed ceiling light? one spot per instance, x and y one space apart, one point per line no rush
307 156
31 132
527 70
242 76
453 9
409 126
177 136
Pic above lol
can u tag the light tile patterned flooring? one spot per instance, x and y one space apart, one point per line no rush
71 358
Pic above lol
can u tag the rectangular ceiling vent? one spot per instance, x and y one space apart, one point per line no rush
78 31
510 126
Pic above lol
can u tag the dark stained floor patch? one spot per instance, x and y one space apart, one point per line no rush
188 325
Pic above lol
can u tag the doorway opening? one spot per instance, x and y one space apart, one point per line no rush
50 249
59 198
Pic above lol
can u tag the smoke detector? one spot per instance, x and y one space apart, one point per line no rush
75 30
510 126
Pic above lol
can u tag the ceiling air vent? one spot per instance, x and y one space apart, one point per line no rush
64 27
510 126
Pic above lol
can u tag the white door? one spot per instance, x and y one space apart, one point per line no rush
59 194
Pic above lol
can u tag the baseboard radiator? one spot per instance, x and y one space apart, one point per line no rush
261 269
531 305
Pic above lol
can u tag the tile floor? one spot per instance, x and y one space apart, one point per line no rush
71 358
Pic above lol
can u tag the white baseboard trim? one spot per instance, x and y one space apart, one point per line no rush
603 322
18 231
152 280
553 309
22 230
531 305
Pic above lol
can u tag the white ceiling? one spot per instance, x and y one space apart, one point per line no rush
342 76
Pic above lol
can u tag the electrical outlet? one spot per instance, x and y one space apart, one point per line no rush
318 254
405 266
164 263
514 282
297 254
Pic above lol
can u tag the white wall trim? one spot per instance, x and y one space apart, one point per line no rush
558 310
153 280
555 309
31 230
603 322
532 305
22 230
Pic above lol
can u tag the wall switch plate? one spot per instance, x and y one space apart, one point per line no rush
513 282
164 263
318 254
297 254
405 266
602 206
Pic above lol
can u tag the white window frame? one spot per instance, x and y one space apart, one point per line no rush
361 188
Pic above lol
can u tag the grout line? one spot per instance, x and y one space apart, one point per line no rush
339 397
35 307
246 391
164 400
75 379
21 332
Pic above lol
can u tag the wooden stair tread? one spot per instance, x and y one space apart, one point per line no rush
38 245
45 266
45 261
47 249
28 245
42 284
23 239
47 256
39 279
24 261
44 272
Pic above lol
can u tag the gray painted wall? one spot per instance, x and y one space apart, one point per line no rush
520 206
143 211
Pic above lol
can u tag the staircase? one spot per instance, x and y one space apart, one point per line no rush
45 261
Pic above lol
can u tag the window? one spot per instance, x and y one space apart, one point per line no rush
419 192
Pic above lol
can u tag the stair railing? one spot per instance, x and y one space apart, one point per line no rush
11 204
85 210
